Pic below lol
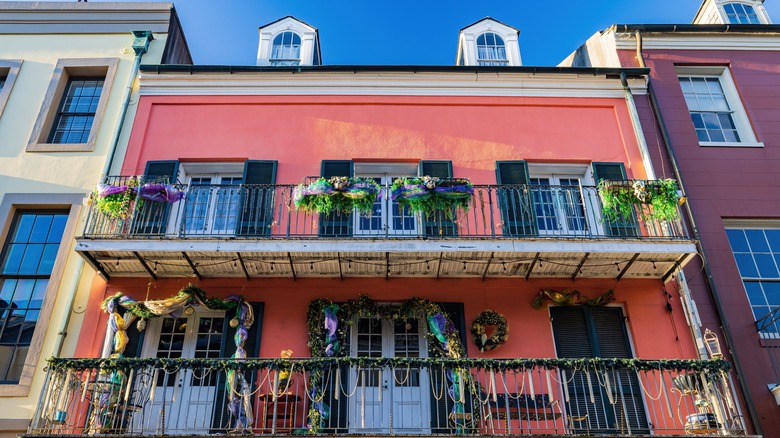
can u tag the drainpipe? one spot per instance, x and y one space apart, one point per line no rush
711 288
72 288
141 41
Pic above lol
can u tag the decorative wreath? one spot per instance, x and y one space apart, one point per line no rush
499 336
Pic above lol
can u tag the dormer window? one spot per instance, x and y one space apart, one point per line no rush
286 49
491 50
739 13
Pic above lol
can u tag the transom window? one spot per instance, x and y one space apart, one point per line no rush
739 13
491 50
757 253
76 114
26 264
709 108
286 49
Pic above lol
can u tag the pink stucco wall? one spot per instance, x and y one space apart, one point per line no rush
300 131
726 183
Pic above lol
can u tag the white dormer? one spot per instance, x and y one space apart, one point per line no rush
288 41
732 12
489 42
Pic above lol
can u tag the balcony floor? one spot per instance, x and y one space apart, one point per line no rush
432 258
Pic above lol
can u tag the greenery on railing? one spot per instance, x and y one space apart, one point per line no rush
323 363
337 194
619 198
429 195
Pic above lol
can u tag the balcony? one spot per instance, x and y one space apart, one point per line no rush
254 231
412 396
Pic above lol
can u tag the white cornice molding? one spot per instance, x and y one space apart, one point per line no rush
698 41
387 84
82 18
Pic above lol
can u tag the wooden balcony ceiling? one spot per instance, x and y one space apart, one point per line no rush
456 261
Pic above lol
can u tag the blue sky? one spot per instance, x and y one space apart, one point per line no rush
416 32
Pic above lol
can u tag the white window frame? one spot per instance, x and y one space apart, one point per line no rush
9 70
215 171
386 171
282 62
492 47
739 115
756 11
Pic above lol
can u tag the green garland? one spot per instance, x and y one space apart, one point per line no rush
139 309
618 199
431 202
324 363
499 336
342 194
568 297
118 205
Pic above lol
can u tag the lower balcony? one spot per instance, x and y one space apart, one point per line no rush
380 396
530 231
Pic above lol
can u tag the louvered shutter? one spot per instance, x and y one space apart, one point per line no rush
221 416
135 341
441 407
438 224
623 226
336 223
514 198
584 332
152 217
257 198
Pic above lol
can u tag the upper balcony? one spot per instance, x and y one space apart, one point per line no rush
552 231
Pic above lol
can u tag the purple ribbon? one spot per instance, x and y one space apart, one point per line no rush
160 193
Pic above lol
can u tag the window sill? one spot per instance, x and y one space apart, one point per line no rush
732 144
21 389
61 147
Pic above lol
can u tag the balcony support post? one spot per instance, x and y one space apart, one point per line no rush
341 272
625 268
579 266
387 263
438 268
531 267
677 265
487 265
192 265
292 266
243 266
146 267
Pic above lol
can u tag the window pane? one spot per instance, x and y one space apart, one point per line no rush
23 228
31 259
766 265
755 293
76 114
772 292
738 240
41 229
757 240
747 268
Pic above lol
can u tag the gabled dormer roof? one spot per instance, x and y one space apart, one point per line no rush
714 11
468 54
309 40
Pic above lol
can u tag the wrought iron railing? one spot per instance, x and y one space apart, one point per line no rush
495 212
385 396
769 329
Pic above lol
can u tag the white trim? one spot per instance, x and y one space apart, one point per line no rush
398 245
746 144
390 84
698 41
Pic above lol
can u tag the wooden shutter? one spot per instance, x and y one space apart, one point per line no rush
257 198
152 217
441 407
437 225
336 224
514 198
623 226
135 340
221 416
586 332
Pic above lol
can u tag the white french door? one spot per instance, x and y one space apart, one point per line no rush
389 400
183 401
558 205
387 217
212 205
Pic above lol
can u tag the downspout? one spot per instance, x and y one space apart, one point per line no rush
141 41
711 288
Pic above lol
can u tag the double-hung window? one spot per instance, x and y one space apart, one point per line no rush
757 253
26 263
77 110
716 111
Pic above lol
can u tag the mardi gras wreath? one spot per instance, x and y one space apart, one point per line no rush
499 336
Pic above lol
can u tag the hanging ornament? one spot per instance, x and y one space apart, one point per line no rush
234 322
141 325
189 310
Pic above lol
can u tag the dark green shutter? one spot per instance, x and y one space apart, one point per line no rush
336 224
135 340
441 407
585 332
514 198
221 416
152 217
257 198
626 226
437 225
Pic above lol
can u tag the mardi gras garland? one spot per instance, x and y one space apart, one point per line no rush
569 297
500 334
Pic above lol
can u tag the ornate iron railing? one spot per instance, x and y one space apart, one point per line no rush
268 211
385 396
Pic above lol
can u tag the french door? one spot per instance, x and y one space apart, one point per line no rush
212 205
559 206
389 400
183 401
387 217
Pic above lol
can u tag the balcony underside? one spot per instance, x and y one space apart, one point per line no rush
526 258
